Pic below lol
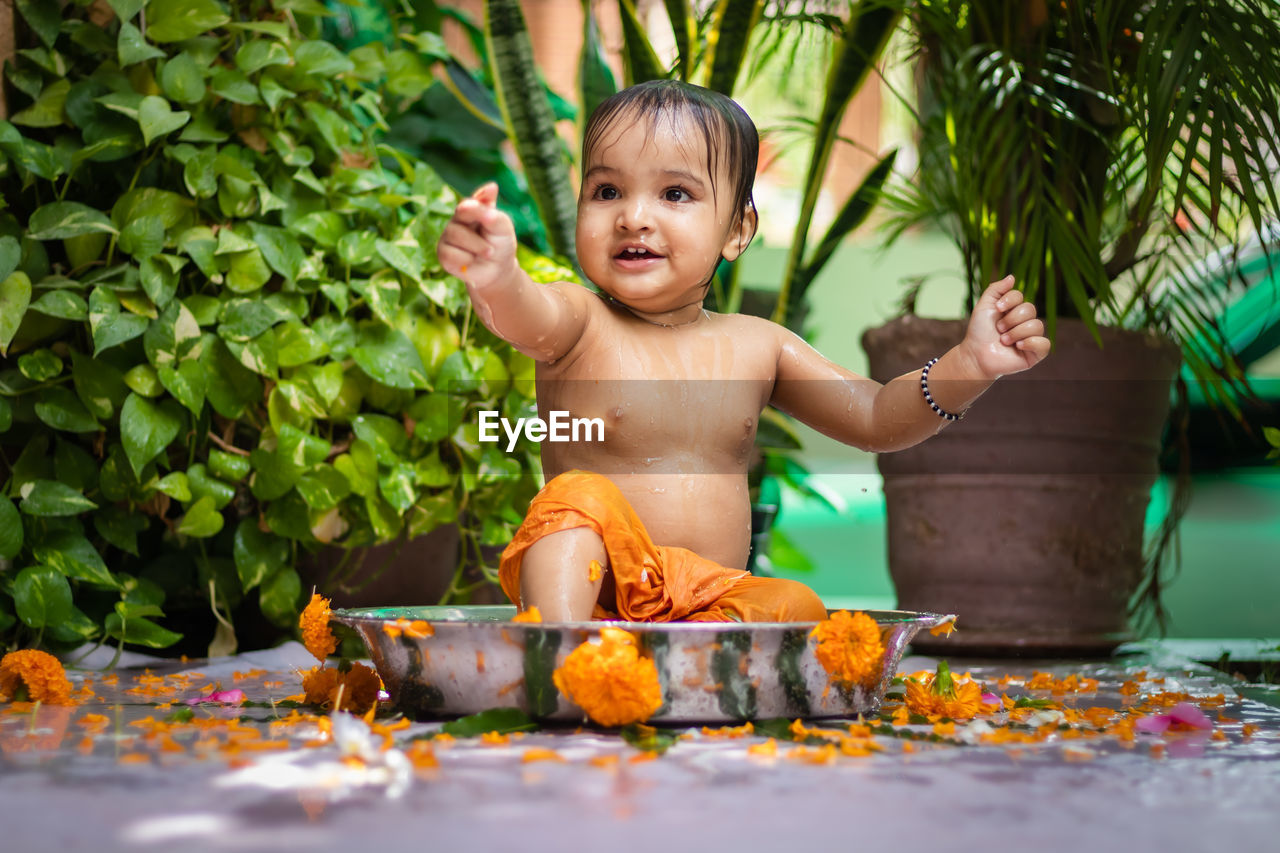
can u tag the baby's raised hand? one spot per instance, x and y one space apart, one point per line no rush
1004 334
479 243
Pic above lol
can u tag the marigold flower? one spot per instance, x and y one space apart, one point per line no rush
941 695
533 614
39 674
610 681
355 690
595 571
314 623
948 628
849 647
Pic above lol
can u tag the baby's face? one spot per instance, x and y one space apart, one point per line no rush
650 229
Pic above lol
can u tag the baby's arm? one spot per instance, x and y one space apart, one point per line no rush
1004 336
479 247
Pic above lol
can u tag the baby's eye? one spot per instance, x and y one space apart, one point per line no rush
605 192
675 194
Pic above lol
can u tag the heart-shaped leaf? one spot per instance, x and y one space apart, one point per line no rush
147 428
157 118
201 520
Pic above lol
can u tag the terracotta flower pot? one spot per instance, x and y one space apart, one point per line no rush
1026 517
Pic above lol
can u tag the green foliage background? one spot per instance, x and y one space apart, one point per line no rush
225 340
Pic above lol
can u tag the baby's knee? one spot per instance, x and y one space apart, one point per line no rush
799 602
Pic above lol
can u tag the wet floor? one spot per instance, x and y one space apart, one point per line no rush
133 767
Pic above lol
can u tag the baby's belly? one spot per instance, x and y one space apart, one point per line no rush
710 514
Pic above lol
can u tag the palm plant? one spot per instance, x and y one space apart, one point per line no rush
1094 150
1099 152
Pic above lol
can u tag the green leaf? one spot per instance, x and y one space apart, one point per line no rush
10 255
232 85
323 488
142 238
228 466
261 53
48 109
109 324
138 631
321 59
388 356
248 272
142 379
173 209
501 720
146 429
75 556
10 529
100 386
173 336
648 739
44 17
175 485
397 486
6 415
61 409
74 466
159 274
257 554
15 294
63 304
202 520
41 596
119 527
360 468
132 47
49 498
126 9
157 118
384 436
530 122
179 20
279 597
202 485
640 61
186 384
298 344
279 248
61 219
198 173
39 365
182 80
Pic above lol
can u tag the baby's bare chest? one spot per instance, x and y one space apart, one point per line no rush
695 398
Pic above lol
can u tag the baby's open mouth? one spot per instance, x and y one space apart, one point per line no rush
636 253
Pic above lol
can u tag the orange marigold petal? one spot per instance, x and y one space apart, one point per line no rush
314 623
533 614
849 647
39 672
610 681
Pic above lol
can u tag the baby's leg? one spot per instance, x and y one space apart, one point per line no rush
555 576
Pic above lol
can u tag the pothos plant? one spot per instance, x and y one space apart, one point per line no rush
225 340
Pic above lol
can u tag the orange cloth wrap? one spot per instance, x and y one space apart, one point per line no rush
655 583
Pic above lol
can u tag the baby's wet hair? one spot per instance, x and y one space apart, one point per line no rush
725 127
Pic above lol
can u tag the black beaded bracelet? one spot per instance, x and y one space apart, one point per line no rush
928 398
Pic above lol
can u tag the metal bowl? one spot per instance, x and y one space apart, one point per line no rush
711 672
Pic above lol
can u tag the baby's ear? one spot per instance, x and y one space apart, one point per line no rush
740 235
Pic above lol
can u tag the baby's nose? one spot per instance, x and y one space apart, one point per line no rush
634 217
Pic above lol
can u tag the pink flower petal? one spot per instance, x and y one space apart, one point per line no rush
221 697
990 699
1189 715
1155 724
